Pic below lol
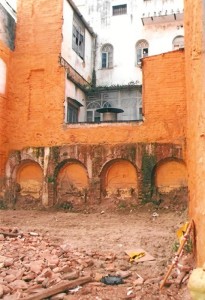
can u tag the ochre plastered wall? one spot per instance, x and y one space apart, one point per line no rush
36 97
36 91
5 54
30 178
164 104
170 175
195 92
37 94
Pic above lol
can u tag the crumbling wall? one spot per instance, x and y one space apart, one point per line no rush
76 176
36 113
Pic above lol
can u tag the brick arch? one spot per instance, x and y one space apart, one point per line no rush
71 181
170 174
119 174
29 175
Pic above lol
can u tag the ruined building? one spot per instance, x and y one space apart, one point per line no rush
56 152
49 155
69 138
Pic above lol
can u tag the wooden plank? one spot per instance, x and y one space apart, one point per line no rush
175 260
59 288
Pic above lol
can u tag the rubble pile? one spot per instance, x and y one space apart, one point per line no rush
31 264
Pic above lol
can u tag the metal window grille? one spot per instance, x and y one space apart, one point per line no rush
119 9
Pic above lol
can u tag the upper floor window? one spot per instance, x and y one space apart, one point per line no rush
119 10
73 108
178 42
142 50
107 56
78 40
129 100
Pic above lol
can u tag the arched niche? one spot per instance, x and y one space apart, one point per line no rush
170 175
119 176
29 176
72 182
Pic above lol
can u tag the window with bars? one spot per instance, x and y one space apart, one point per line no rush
78 40
129 100
142 50
107 56
119 10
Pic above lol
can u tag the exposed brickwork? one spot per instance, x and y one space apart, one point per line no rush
164 96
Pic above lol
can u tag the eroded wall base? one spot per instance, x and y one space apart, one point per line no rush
80 175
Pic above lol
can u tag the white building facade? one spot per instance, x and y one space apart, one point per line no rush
127 30
108 39
78 42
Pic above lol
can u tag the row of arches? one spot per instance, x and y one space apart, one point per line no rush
116 175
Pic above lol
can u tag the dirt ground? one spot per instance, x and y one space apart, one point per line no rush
103 236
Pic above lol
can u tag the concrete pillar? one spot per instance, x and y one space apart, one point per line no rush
195 92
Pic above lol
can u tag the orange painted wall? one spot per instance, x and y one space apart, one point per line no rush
37 94
30 178
170 175
164 97
5 54
72 176
36 91
195 91
121 175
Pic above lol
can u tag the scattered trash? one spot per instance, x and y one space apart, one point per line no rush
112 280
33 233
136 255
75 290
139 255
181 231
155 215
129 292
